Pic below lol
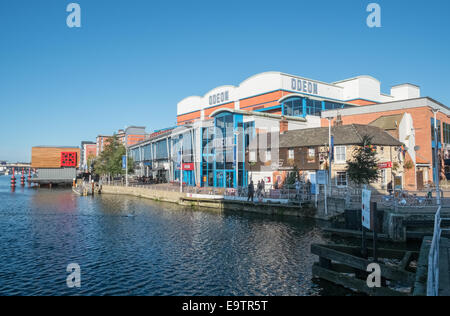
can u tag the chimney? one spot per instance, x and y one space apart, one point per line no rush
284 125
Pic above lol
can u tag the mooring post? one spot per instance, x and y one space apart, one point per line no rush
363 244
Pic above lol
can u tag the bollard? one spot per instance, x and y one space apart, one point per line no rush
74 183
22 178
13 179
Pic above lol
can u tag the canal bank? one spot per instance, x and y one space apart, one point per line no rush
335 207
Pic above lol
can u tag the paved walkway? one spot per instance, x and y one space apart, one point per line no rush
444 268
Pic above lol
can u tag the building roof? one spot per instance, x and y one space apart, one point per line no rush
343 135
388 122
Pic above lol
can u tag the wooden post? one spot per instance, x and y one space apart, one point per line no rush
363 244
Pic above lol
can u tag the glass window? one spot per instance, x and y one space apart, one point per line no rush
252 156
446 133
311 155
293 107
291 154
268 155
340 154
383 177
341 179
438 129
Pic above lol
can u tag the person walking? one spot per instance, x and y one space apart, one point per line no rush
258 189
297 188
251 191
308 189
263 188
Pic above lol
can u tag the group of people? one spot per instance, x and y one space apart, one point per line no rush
260 190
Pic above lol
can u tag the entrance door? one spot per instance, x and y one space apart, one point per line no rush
229 179
419 176
220 182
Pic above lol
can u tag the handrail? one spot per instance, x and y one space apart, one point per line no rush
433 258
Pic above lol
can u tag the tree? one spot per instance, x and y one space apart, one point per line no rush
293 176
110 160
363 169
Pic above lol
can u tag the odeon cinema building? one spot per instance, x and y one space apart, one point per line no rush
209 146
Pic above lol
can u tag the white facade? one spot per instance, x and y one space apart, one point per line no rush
362 87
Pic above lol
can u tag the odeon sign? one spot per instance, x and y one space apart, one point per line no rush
219 98
304 86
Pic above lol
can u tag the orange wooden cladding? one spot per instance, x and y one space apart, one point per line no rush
50 157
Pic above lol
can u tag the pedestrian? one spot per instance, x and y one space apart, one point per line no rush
251 191
308 189
263 187
258 189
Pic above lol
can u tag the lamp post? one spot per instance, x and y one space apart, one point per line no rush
436 164
329 154
236 133
126 167
181 166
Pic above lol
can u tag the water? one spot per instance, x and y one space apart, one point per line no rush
163 250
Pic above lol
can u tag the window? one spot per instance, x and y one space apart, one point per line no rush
341 179
268 155
293 107
340 154
252 156
383 178
311 155
438 132
291 154
446 133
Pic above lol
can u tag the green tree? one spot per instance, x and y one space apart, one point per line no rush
292 177
363 168
110 160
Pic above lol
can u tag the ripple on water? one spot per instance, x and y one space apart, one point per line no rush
163 250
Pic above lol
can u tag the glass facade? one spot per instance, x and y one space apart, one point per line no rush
222 145
304 106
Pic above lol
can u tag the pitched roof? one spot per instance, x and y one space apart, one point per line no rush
388 122
343 135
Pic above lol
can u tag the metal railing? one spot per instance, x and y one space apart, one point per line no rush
302 194
433 258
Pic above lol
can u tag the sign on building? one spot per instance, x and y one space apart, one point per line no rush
385 165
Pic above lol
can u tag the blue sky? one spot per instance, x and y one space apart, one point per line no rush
132 61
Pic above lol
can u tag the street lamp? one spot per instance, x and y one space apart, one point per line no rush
236 133
436 165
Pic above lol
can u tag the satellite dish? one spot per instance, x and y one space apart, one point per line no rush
417 148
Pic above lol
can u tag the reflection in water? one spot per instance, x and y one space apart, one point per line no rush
163 250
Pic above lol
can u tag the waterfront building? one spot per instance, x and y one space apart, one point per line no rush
218 127
55 165
308 151
128 137
412 123
101 142
88 150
